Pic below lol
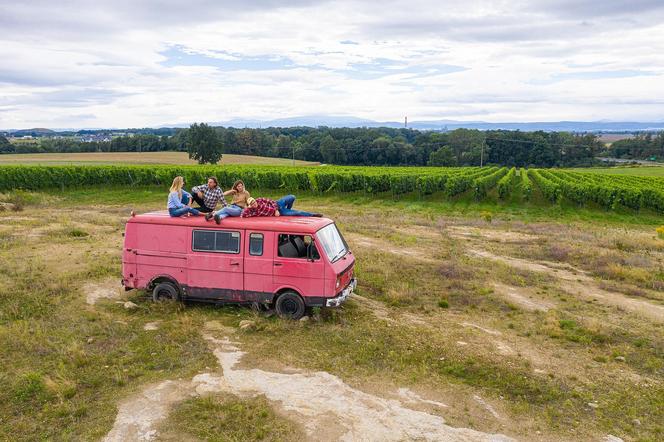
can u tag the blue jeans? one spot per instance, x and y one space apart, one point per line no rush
286 207
186 197
231 210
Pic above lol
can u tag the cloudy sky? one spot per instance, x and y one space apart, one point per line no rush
139 63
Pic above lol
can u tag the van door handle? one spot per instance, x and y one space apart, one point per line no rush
235 263
278 264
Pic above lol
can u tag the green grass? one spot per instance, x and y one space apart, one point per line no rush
229 418
656 171
71 364
137 198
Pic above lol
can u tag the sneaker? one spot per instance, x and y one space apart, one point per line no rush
208 216
217 219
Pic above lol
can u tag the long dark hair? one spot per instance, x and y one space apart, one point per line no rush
235 184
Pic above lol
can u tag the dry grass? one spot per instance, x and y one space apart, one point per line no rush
89 158
434 319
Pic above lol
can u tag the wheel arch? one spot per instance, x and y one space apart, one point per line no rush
163 278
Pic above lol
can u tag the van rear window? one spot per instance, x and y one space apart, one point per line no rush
216 241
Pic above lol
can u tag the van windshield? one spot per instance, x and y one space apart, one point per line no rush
333 243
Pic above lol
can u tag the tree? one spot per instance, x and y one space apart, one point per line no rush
5 145
331 151
203 144
442 157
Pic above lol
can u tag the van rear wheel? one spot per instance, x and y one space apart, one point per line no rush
165 291
290 306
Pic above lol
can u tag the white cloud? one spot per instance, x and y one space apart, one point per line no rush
129 64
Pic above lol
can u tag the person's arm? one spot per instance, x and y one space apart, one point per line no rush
230 192
174 200
222 198
248 213
198 190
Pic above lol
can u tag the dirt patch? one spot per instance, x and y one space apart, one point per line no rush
577 283
522 297
137 417
109 289
503 236
327 408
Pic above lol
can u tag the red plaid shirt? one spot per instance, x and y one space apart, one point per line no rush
264 207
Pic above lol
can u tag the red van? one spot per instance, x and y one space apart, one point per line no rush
288 262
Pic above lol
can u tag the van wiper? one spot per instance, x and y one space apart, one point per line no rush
339 255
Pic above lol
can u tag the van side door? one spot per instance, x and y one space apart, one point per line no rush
258 256
293 269
216 265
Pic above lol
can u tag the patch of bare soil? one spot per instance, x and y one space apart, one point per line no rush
522 297
503 236
327 408
385 246
576 282
428 232
108 289
137 416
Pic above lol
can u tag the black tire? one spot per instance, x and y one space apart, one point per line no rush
165 291
290 305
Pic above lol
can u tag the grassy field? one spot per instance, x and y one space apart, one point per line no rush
89 158
657 171
536 322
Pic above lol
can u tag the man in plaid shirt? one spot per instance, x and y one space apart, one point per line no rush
268 207
260 207
208 195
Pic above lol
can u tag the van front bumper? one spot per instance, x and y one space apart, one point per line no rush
345 293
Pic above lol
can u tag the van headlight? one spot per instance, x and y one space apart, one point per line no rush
338 282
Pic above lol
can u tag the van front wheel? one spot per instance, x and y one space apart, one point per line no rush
165 291
290 306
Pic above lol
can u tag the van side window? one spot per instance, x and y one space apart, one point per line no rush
256 244
295 246
216 241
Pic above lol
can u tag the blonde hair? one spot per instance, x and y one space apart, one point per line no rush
178 183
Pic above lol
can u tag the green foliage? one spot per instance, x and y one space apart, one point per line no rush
505 183
6 146
607 191
485 183
352 146
442 157
526 185
203 144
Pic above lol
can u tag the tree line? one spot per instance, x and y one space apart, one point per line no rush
641 147
351 146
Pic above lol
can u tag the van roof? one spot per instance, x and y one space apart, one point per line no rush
288 224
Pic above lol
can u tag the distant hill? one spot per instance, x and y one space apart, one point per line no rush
353 122
350 121
36 132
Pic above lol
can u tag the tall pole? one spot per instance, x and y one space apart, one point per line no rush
482 153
